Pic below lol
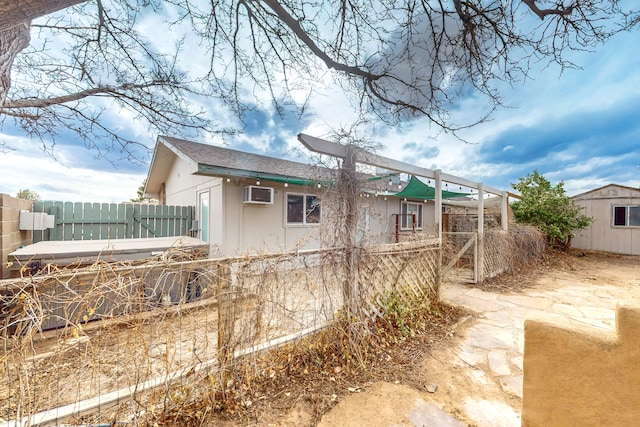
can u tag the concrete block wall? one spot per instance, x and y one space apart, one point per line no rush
582 376
11 238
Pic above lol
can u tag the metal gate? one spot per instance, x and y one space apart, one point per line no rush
93 221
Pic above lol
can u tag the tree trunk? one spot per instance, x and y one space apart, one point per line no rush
15 21
12 41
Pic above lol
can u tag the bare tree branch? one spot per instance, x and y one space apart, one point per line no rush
77 96
294 25
15 13
12 41
542 13
400 58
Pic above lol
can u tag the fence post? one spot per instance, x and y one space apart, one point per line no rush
505 211
475 258
226 318
480 263
438 219
348 192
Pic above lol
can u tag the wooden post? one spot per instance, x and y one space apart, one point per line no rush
505 211
348 189
348 202
226 318
475 258
480 262
438 219
438 202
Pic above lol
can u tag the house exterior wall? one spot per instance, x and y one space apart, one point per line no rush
383 224
262 228
237 228
182 185
602 235
183 188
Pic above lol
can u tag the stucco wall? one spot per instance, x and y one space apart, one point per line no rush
238 228
11 238
578 376
182 185
262 228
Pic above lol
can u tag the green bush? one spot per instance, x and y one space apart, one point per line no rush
548 208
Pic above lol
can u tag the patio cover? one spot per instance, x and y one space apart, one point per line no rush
417 189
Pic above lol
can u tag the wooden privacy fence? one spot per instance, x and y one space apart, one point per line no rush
93 221
174 329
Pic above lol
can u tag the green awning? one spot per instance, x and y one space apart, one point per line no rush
417 189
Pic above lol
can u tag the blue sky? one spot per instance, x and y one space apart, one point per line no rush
580 126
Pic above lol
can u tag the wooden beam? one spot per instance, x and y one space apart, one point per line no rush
322 146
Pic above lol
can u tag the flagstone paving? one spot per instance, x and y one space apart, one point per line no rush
489 355
496 340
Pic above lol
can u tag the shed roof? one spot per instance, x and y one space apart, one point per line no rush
609 191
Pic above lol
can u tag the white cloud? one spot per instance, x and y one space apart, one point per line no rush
32 169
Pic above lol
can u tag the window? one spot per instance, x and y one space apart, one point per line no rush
626 216
303 209
411 216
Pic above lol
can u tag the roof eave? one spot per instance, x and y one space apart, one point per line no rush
164 154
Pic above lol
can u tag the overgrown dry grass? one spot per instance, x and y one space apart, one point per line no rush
124 326
317 372
268 298
524 274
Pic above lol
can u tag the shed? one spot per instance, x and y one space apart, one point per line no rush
615 210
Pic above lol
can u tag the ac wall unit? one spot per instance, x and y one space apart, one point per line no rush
258 195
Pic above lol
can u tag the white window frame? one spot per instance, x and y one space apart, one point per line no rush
305 202
404 216
628 218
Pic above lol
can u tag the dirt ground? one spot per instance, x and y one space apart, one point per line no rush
374 398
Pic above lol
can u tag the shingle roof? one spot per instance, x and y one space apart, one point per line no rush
219 157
